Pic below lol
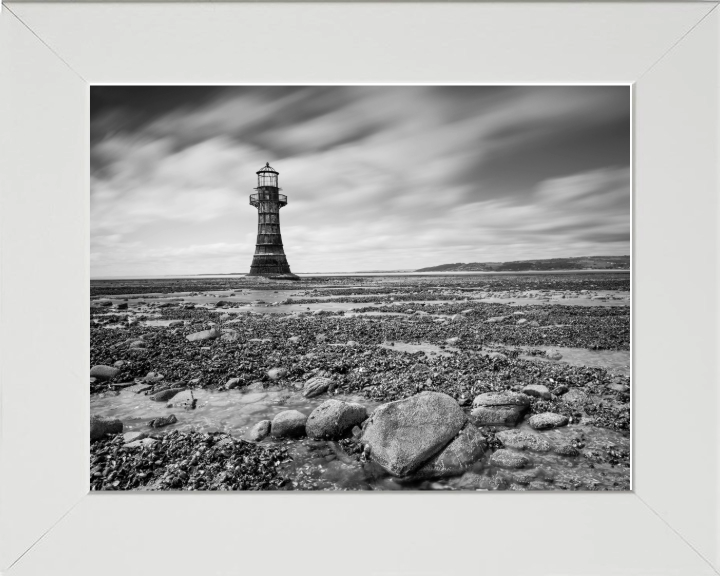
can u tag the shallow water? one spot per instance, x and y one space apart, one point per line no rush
615 361
425 347
230 411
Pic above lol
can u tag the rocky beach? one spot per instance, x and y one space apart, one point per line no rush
373 382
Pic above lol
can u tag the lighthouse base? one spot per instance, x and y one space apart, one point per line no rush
272 266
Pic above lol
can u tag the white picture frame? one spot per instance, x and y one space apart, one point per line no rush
49 522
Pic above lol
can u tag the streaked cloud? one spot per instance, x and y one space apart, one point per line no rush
376 177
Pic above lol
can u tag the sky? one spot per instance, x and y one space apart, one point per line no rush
377 177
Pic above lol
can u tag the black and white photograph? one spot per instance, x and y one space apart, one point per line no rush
360 287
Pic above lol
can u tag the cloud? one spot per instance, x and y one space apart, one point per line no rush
376 177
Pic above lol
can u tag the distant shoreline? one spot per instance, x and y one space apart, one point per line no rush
371 274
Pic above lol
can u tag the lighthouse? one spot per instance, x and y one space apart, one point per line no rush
269 259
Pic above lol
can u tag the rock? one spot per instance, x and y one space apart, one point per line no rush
523 441
495 319
289 423
467 447
261 430
402 435
534 323
165 395
162 421
352 344
154 377
452 341
567 450
122 306
547 420
575 397
317 386
184 400
560 390
496 355
294 339
132 436
537 390
119 364
136 344
101 427
618 387
508 459
521 321
204 335
475 481
232 383
102 372
496 415
140 443
501 399
499 408
553 354
229 335
277 373
333 419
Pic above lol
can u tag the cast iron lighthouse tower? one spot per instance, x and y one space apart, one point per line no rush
269 259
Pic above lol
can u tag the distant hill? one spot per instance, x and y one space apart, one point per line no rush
577 263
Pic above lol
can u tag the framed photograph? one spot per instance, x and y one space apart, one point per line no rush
484 320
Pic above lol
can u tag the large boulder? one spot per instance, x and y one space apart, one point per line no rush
289 423
499 408
523 440
204 335
547 420
317 386
334 419
102 372
458 456
101 427
402 435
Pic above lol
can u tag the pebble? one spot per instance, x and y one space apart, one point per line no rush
547 420
537 390
523 441
261 430
509 459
